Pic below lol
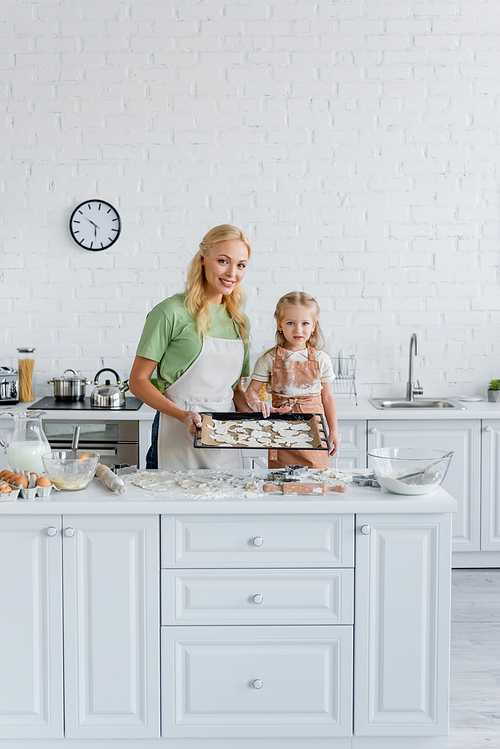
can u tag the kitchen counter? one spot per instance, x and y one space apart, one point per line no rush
97 499
259 603
346 409
144 413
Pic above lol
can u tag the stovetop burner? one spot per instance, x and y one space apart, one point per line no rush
49 403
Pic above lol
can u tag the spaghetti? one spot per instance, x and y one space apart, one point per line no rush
26 367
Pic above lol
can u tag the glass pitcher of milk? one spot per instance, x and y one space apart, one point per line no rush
28 442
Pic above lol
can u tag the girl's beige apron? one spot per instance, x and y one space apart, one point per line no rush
297 384
206 386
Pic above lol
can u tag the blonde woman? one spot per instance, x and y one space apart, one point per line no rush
299 373
198 342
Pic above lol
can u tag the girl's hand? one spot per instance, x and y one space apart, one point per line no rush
265 408
334 439
191 421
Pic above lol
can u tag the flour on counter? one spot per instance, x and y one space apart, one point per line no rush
219 484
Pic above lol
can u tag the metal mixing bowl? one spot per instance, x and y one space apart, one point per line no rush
390 464
70 470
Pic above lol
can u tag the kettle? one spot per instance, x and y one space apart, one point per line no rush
108 395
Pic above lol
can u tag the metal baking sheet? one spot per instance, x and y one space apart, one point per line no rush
316 421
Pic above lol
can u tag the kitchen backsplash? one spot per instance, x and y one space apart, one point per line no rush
356 143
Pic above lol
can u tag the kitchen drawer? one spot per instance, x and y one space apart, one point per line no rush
256 681
257 541
353 435
312 596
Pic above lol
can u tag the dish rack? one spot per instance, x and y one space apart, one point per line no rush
345 376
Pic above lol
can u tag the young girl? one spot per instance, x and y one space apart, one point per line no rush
300 374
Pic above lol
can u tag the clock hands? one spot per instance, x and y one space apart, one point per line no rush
96 227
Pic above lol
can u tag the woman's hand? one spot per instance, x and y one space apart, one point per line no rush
334 439
191 421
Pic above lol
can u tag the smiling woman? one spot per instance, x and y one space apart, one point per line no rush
198 341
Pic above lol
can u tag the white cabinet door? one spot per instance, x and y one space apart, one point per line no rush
402 621
463 480
490 515
352 452
256 681
111 626
31 703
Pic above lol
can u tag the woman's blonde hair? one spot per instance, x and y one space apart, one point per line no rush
299 299
194 293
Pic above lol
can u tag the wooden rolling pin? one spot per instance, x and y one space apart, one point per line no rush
296 487
110 479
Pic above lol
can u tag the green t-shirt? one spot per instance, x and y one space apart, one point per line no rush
170 337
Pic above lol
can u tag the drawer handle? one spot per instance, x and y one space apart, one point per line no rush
258 541
51 531
365 530
257 684
69 532
258 598
487 429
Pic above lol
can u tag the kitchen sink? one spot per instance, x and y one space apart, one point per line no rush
383 403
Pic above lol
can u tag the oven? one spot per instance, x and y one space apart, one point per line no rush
115 441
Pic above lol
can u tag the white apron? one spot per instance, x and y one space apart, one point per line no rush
206 386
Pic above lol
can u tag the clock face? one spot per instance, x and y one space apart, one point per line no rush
95 225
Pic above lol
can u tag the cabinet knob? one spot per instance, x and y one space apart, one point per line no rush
257 684
487 429
258 541
365 530
373 430
258 598
51 531
69 532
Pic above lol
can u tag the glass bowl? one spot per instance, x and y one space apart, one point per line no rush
393 465
70 470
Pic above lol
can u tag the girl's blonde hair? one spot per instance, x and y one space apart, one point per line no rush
299 299
194 293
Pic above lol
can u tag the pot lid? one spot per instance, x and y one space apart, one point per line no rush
7 370
66 378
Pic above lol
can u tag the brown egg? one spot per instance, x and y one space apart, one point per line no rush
32 473
43 481
5 474
19 480
5 488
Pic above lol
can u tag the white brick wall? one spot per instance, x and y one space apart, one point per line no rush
356 143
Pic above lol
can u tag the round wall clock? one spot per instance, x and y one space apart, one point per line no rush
95 225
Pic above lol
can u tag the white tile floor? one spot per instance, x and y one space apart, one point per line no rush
475 660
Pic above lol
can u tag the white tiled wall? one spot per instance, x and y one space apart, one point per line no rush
356 143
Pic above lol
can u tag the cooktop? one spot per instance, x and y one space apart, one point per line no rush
49 403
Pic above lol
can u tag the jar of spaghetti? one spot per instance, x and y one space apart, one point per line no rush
26 368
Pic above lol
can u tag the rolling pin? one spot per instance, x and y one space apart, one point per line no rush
296 487
110 479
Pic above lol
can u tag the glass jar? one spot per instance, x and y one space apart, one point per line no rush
26 367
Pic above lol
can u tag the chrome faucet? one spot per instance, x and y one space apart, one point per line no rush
411 389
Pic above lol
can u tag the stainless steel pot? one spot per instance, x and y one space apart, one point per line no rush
68 388
108 395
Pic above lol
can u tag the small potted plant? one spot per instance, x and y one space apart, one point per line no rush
494 391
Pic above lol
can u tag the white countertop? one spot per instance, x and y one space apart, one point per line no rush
346 409
98 499
144 413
